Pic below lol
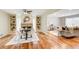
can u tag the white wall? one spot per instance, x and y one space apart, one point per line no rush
34 23
56 21
44 20
4 22
62 21
44 23
18 21
53 20
47 20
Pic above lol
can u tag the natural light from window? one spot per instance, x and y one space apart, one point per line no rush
74 21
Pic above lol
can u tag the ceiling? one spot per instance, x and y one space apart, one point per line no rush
65 12
34 11
9 11
39 12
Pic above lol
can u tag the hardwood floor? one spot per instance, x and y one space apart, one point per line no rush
47 41
5 39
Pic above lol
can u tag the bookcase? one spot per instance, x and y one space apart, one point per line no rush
38 23
12 23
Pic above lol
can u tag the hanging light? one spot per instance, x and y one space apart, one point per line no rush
27 11
24 10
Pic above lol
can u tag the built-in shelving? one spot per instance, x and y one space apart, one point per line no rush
12 23
38 23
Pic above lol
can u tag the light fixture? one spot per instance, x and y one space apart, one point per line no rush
27 11
24 10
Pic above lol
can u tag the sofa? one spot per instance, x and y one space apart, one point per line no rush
70 32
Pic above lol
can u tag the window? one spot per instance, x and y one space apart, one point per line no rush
74 21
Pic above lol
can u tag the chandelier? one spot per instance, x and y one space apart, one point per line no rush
27 11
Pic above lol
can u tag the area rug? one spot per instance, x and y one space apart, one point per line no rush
17 40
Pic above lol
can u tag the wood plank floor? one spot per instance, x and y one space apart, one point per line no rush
47 41
5 39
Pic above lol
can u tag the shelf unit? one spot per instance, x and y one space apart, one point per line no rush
38 23
12 23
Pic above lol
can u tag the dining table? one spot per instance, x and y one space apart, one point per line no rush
26 33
